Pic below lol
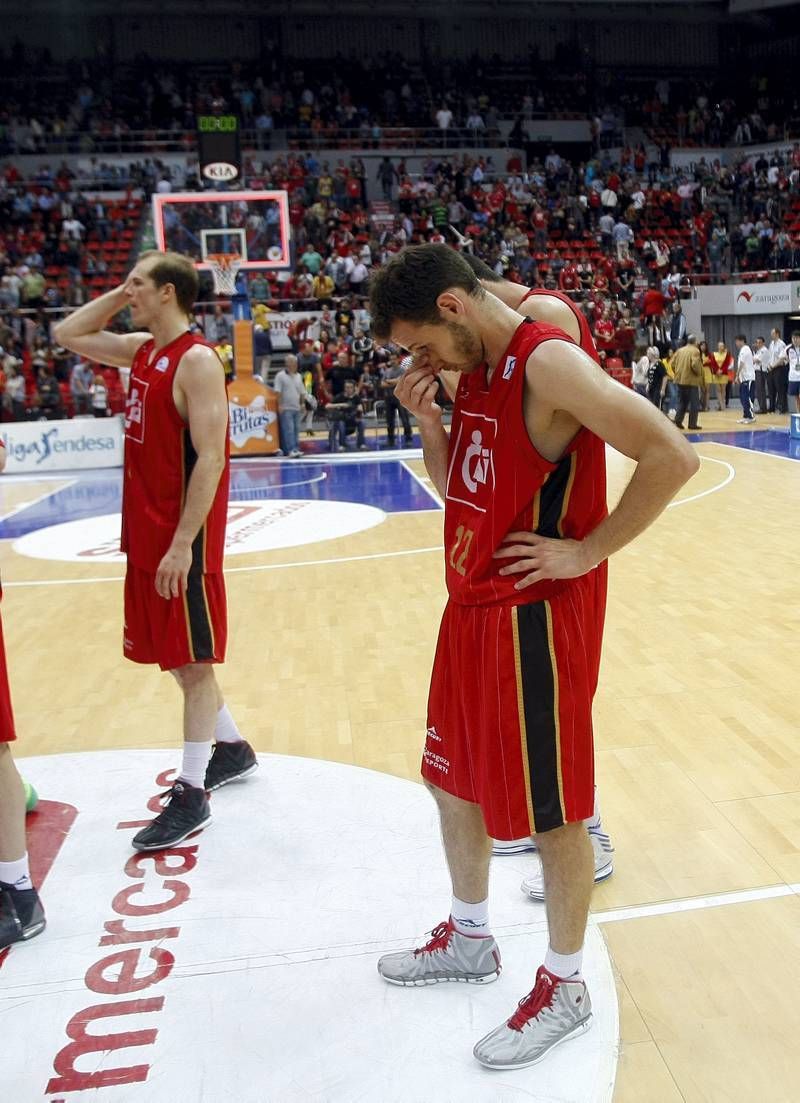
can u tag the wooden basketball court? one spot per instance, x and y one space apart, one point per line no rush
698 752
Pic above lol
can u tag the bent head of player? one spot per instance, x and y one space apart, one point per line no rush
161 285
428 300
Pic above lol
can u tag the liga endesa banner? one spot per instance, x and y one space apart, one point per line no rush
63 445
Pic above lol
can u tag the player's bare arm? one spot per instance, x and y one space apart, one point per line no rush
201 400
417 389
563 381
84 331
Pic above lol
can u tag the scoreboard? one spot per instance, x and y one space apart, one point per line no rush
218 147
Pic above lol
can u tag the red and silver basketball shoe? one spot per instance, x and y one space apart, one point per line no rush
447 956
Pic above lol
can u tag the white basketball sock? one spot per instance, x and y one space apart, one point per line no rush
595 823
565 966
226 730
17 874
470 918
195 761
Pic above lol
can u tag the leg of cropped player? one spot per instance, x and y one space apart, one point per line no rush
175 500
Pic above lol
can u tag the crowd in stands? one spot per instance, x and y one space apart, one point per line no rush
91 106
625 239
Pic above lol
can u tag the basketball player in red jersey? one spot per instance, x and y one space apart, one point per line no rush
174 511
527 535
21 912
558 310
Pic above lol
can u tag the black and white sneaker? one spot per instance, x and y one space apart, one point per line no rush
230 762
21 915
186 811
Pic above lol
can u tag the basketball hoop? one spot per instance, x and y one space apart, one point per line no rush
224 268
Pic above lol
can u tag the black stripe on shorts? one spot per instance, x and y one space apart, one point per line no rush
199 619
539 702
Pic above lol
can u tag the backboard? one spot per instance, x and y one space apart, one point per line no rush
252 224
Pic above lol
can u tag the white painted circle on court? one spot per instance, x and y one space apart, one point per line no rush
242 963
252 527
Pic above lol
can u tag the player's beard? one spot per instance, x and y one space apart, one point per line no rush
468 348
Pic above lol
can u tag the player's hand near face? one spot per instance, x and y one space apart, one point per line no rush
172 576
537 558
417 389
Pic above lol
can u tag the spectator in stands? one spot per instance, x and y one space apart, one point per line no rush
81 380
291 405
677 326
778 369
99 394
656 377
745 377
14 394
641 369
708 376
392 373
687 366
347 412
761 363
48 398
793 362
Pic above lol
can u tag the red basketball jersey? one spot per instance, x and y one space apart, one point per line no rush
159 460
586 341
498 483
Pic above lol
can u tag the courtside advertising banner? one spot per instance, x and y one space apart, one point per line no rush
81 443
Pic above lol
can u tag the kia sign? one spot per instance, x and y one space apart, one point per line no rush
82 443
220 171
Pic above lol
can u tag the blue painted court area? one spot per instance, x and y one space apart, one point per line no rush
386 484
774 442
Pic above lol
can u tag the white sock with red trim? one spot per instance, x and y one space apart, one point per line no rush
471 919
16 874
564 966
195 762
226 730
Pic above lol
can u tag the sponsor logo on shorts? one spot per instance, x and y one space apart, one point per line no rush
436 761
433 734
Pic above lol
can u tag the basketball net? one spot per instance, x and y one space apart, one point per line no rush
224 268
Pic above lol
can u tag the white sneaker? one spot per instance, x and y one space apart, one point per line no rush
514 846
553 1012
745 420
447 956
603 866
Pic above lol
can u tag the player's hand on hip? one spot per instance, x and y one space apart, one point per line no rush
539 558
172 576
417 389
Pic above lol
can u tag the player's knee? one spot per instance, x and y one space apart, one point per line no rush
193 674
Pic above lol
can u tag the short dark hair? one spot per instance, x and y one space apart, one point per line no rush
796 333
406 289
178 270
481 269
740 337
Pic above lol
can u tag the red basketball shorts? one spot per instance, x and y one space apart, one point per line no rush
191 628
510 708
7 732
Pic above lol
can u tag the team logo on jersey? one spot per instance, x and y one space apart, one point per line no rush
470 478
508 370
134 410
162 363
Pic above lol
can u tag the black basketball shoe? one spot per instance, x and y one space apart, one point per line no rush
230 762
21 915
186 811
